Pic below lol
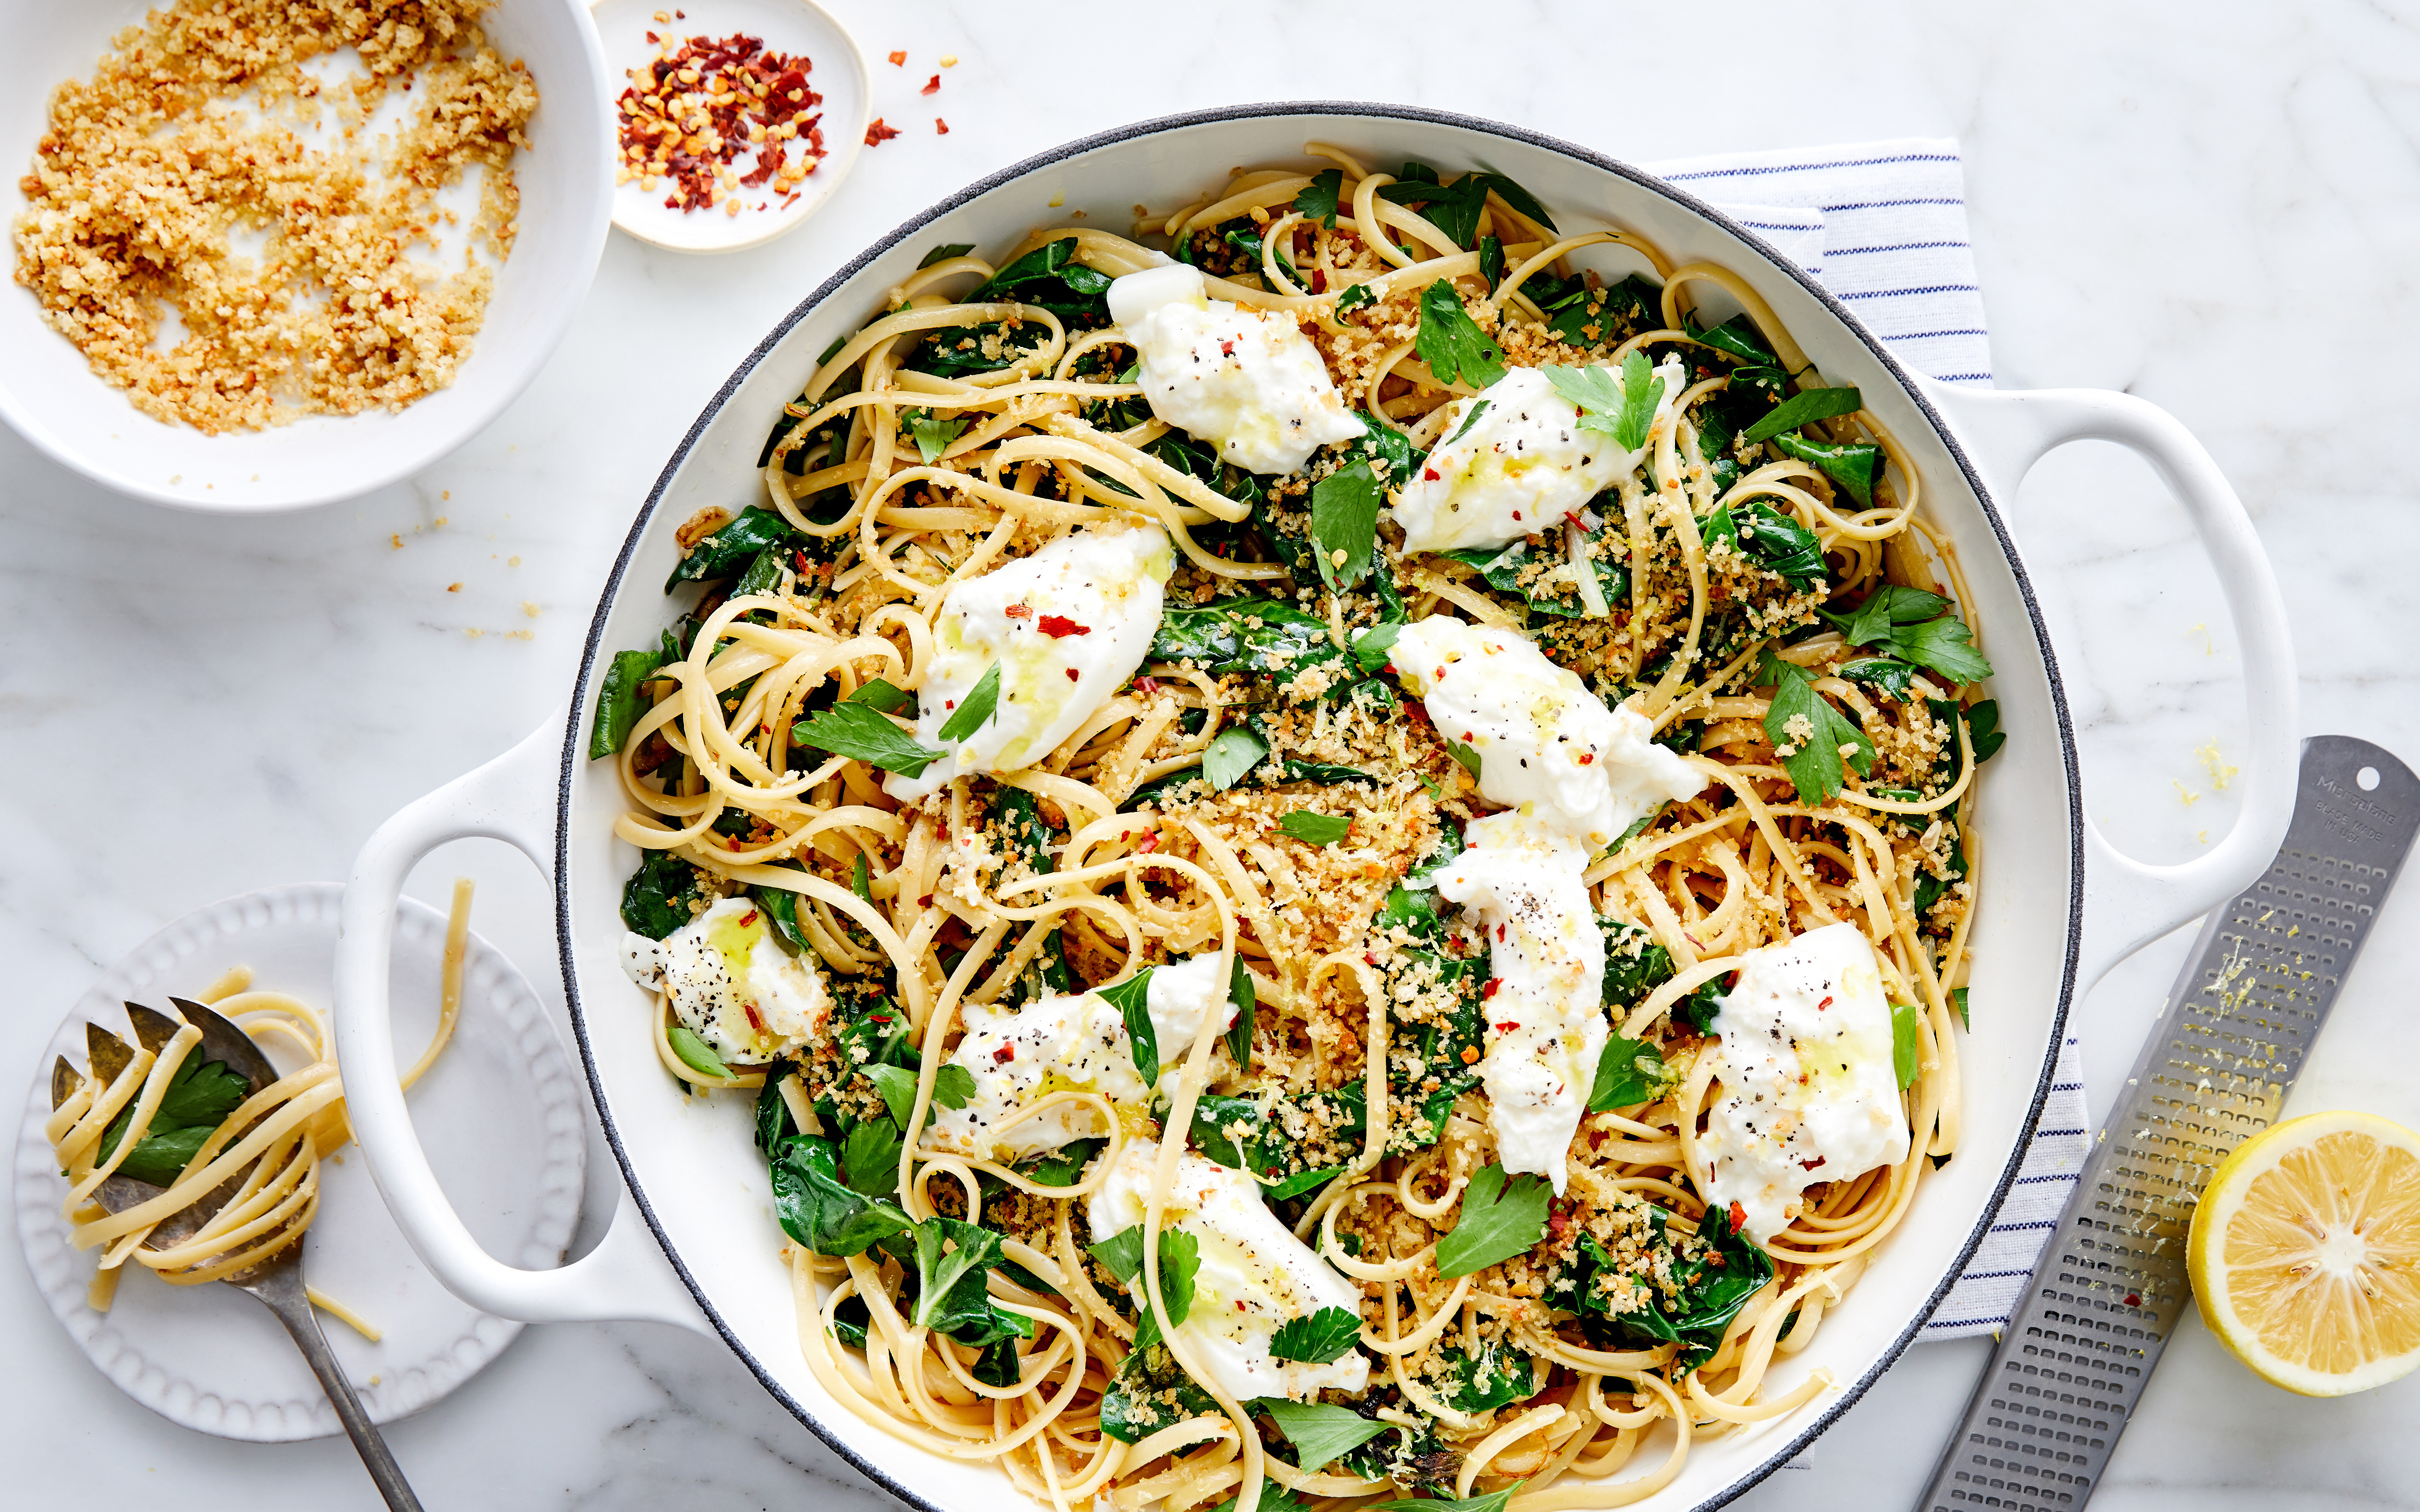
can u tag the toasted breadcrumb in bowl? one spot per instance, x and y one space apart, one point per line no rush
265 256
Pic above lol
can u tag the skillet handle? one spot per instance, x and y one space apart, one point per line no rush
2128 903
625 1276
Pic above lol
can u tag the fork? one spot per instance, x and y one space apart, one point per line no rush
277 1281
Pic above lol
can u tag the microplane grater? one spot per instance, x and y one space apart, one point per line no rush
2237 1027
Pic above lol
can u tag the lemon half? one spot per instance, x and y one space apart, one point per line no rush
2305 1254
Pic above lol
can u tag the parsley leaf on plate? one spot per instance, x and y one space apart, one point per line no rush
859 733
1317 198
1319 1339
1354 297
1246 997
1315 829
1451 342
1492 1502
1629 1072
1501 1218
1132 999
883 697
975 707
1810 736
1319 1431
1233 752
1344 524
1915 626
933 434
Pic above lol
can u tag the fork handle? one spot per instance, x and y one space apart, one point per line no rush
293 1309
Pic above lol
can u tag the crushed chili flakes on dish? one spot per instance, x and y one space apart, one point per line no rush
878 133
703 104
940 127
932 86
899 59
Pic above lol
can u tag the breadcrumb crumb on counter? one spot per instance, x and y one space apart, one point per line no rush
145 171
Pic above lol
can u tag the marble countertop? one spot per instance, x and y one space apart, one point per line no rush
2218 215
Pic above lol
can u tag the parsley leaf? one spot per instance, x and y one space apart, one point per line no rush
1319 1339
1852 464
1906 1051
1622 409
1246 997
933 434
1629 1072
861 880
1320 1432
1915 626
1872 621
1132 999
1814 762
1958 995
693 1052
869 1158
1492 1502
1315 829
1501 1218
1344 522
1317 199
1375 647
975 707
1180 1261
1639 397
1233 752
952 1087
1451 342
1354 297
1121 1253
1467 756
1491 262
883 697
897 1084
1948 647
938 255
1983 729
859 733
1478 408
1804 408
198 1099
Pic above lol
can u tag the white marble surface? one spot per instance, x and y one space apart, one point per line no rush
2214 208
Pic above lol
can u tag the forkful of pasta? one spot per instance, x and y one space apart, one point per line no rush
191 1156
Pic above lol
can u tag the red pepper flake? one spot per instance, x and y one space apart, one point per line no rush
899 59
940 127
2134 1299
753 1022
1072 676
1431 475
1492 983
746 918
878 133
932 86
1319 280
925 902
1018 612
1825 1004
1507 1027
1573 516
701 105
1810 1165
1060 627
1227 346
1146 684
1516 514
1005 1053
1739 1217
1148 843
1587 758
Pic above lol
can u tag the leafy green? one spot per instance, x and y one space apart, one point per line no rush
1983 729
1707 1288
1249 242
1151 1392
1320 1432
1492 1502
1454 209
1874 621
728 551
1736 337
1317 199
942 254
1467 755
1344 524
861 879
1777 542
976 707
1491 261
1907 1047
1238 1133
1180 1260
819 1212
1916 626
1624 409
1050 277
850 1320
869 1159
1244 635
656 900
1319 1339
1063 1166
950 1254
1582 316
1804 408
856 731
1501 1218
1887 675
1132 999
882 697
1354 297
1315 829
933 433
774 1125
1274 1498
1494 1376
1374 648
1628 1071
1852 464
198 1098
897 1086
1246 997
1470 418
1121 1253
1814 762
1504 571
763 576
621 700
693 1052
1452 344
1958 995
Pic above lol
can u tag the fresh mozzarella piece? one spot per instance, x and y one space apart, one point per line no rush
1248 381
1541 738
731 983
1518 469
1071 1041
1067 626
1810 1092
1545 1013
1254 1275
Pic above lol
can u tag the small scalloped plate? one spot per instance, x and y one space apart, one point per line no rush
836 70
499 1113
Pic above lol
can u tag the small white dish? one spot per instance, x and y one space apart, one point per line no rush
836 72
499 1113
51 395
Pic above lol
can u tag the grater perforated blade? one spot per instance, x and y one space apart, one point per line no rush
2238 1026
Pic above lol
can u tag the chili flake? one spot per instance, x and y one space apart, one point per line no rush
701 103
878 133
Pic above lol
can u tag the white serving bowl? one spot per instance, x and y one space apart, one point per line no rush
2059 906
52 396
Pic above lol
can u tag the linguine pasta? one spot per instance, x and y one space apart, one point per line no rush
847 911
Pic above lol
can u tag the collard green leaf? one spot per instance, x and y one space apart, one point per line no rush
728 551
850 1320
1151 1392
882 697
976 707
621 699
897 1084
1628 1071
1318 1431
1887 675
1493 1376
774 1125
1586 317
950 1254
1958 995
1132 999
932 432
1237 1132
1244 635
1777 541
1316 200
1736 337
1811 738
1501 1218
1804 408
764 575
656 900
1315 829
1854 465
1241 992
198 1099
695 1052
1344 524
819 1212
1321 1338
1049 276
943 255
1062 1167
861 879
1452 344
1354 297
1983 729
1907 1048
856 731
1491 261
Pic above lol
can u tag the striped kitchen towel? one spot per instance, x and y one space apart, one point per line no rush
1882 226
